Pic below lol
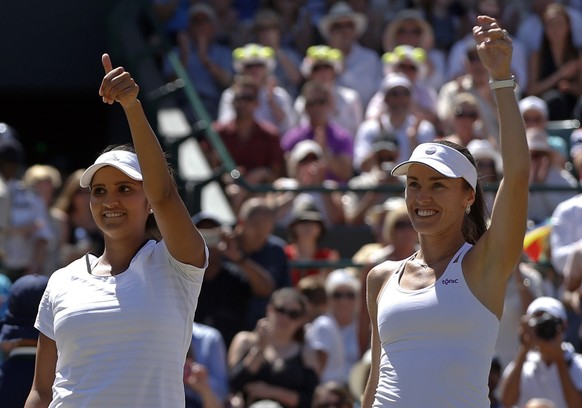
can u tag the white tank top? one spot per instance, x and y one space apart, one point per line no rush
437 343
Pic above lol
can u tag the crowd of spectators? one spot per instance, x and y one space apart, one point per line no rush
308 93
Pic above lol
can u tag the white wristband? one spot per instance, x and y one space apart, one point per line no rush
504 83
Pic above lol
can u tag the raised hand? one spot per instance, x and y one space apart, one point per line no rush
117 85
494 47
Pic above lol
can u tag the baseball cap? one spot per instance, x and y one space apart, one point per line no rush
394 80
533 102
447 160
549 305
341 277
120 159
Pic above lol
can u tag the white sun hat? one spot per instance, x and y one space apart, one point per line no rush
448 161
120 159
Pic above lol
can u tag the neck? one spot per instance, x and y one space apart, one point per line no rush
431 254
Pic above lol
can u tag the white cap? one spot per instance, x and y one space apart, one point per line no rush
120 159
533 102
341 277
393 80
549 305
446 160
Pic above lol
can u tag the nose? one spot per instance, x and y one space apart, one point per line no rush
423 197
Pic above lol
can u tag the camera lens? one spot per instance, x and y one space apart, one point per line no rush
545 326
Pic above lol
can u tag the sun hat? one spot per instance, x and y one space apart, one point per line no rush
533 102
253 54
204 9
338 12
483 149
405 15
320 55
341 277
394 80
444 159
120 159
23 300
302 149
549 305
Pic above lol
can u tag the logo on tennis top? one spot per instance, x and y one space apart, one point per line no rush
449 281
430 150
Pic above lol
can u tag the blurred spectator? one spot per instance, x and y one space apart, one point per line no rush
489 167
28 233
304 236
46 181
228 29
208 63
545 366
539 403
410 62
307 168
206 371
5 284
382 158
79 233
273 362
230 281
274 102
253 144
18 339
297 28
409 27
576 152
323 64
554 69
267 30
456 57
254 235
341 28
524 285
397 122
446 18
332 394
322 332
173 15
344 294
335 141
531 29
494 377
476 82
466 121
543 203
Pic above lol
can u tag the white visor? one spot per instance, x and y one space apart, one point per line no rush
120 159
446 160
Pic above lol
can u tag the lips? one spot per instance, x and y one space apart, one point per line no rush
113 214
425 213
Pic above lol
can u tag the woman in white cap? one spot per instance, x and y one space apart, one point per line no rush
115 328
435 316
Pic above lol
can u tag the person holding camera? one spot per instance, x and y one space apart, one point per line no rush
545 366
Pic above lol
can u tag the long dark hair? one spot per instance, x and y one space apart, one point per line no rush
475 223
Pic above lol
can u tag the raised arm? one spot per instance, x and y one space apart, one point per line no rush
180 235
508 221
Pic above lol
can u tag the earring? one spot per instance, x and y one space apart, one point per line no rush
468 209
151 210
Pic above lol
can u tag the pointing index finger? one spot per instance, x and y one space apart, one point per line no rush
106 60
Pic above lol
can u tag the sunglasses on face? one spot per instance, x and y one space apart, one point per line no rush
398 92
290 313
343 295
532 119
245 97
315 101
466 114
411 31
343 26
407 67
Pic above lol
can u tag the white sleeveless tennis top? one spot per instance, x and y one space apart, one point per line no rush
437 343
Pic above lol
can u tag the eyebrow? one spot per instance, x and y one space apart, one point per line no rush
435 178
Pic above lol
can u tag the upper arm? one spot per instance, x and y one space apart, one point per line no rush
44 373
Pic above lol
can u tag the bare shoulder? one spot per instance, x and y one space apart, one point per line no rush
243 340
380 274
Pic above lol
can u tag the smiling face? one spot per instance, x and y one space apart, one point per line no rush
436 204
118 204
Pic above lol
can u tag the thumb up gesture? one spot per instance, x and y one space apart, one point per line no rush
117 85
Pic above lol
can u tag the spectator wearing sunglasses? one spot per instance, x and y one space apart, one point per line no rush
466 120
343 291
273 362
397 118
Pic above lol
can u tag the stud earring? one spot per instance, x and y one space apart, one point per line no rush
151 210
468 209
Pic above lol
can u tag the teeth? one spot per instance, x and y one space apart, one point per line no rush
111 215
426 213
